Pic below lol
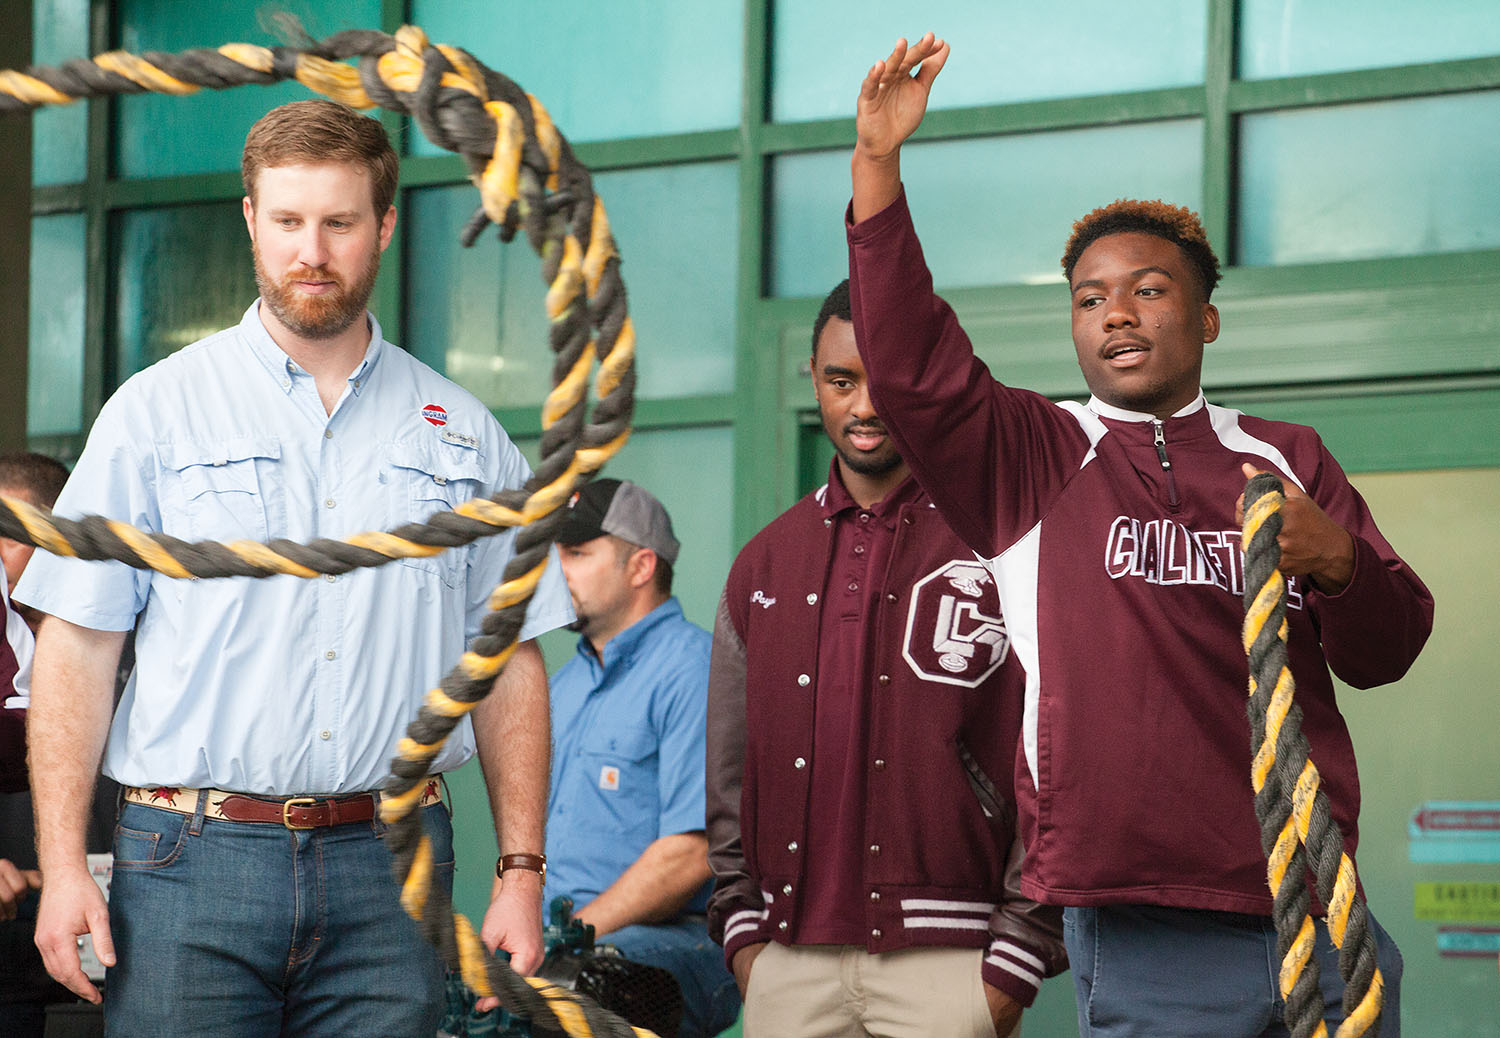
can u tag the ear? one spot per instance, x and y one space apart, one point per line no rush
387 227
640 570
1210 322
248 208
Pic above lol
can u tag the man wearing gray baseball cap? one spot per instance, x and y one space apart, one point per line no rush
625 817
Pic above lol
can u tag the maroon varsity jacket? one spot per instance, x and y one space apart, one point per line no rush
945 709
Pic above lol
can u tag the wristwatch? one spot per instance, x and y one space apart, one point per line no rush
530 862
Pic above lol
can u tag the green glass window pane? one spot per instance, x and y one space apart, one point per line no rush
990 211
181 273
1302 37
54 374
157 135
691 472
1388 178
1002 52
477 315
630 68
60 30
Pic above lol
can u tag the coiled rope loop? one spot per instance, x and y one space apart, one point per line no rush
529 179
1297 828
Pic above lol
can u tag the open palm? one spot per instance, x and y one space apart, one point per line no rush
892 100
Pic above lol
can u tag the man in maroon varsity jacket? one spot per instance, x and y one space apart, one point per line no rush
863 717
1111 529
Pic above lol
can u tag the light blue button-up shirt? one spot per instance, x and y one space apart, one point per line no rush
285 685
628 737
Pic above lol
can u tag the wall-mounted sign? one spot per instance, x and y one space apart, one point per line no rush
1455 831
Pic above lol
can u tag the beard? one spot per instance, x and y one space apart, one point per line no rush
878 463
321 316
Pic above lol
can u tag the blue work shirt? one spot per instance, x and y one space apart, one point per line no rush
284 686
627 752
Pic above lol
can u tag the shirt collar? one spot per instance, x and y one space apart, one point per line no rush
1120 414
283 369
836 497
623 645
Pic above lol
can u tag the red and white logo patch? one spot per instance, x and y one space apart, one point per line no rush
609 777
435 414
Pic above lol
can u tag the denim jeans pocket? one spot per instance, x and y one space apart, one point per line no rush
147 838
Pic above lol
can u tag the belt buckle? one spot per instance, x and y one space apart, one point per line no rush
286 807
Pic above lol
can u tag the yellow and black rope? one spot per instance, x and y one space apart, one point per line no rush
1293 810
529 180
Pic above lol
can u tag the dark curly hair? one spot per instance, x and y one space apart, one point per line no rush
1177 224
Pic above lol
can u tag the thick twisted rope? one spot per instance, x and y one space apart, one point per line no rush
528 179
1293 810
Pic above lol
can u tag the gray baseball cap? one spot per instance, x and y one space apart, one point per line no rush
628 511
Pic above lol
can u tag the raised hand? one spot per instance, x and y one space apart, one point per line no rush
892 101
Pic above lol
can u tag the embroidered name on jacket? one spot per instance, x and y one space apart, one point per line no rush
1160 551
954 631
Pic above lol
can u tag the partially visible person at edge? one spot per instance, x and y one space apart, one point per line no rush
37 480
864 711
1113 531
25 988
252 892
625 816
17 882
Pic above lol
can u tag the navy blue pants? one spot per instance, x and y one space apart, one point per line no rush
1152 972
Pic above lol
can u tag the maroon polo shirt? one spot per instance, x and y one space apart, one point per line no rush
862 540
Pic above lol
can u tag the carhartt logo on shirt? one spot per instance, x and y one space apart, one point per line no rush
609 777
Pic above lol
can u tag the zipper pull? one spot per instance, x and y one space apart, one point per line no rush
1166 463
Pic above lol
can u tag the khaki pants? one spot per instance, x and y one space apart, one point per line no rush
823 991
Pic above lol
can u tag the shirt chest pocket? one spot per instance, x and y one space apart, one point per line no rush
622 761
423 479
221 491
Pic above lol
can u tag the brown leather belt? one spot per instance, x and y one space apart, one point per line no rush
309 812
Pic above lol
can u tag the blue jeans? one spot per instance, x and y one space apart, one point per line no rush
239 930
710 999
1143 970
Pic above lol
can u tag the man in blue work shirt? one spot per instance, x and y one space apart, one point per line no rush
625 820
252 893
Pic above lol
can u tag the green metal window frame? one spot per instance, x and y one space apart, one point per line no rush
1451 300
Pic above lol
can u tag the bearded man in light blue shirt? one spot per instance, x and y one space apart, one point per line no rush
625 818
252 894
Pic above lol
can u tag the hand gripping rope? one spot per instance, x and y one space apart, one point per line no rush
1296 823
528 179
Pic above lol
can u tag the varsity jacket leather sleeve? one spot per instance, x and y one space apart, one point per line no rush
736 911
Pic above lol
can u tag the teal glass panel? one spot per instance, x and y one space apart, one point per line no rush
990 211
1387 178
1302 37
1002 52
54 372
159 136
59 135
478 316
629 68
181 273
